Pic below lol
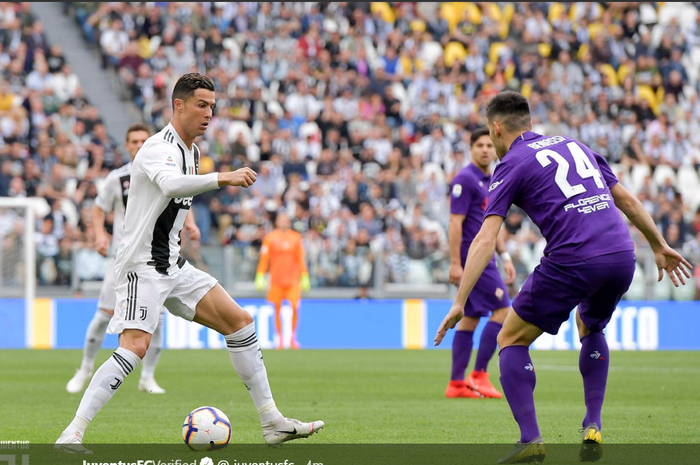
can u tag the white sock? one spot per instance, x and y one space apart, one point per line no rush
246 356
93 339
150 360
103 385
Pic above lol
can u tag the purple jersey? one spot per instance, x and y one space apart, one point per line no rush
565 189
468 195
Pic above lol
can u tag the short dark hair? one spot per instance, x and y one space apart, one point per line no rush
188 83
511 109
137 127
478 133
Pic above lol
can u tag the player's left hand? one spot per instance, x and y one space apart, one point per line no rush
671 261
509 268
305 283
451 319
193 231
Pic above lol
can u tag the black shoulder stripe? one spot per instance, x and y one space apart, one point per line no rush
184 160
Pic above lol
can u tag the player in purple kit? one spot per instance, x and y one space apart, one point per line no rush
469 191
569 192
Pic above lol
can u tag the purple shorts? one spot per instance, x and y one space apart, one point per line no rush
489 293
596 285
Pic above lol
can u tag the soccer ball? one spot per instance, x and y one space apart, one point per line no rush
206 428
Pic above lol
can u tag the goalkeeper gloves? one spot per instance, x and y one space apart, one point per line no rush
305 283
260 283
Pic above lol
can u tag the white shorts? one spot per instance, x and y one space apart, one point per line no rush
108 296
140 296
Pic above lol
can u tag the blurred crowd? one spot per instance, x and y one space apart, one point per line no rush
358 115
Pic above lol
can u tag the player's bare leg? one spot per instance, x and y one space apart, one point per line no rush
133 344
518 381
278 325
461 353
295 320
594 361
478 380
218 311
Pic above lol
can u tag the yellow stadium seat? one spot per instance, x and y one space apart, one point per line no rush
453 12
474 12
495 11
610 72
509 72
526 90
544 49
594 29
494 50
555 10
622 72
648 94
385 10
660 94
454 51
417 25
582 50
489 69
504 27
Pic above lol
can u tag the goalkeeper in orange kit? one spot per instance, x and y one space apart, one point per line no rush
282 251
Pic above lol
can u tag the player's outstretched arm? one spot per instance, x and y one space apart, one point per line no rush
242 177
666 258
480 253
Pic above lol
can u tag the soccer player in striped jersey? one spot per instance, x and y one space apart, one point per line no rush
151 273
113 197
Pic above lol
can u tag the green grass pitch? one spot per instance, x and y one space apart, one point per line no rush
364 396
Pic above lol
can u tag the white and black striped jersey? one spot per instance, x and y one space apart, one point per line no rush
112 196
163 180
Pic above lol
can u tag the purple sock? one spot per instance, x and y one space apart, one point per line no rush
461 351
487 345
518 380
593 362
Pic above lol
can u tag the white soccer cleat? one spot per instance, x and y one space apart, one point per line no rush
287 429
78 381
150 386
71 443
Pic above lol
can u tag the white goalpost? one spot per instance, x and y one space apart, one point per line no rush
18 251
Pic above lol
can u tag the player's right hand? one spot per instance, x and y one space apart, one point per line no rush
242 177
451 319
455 273
102 244
675 265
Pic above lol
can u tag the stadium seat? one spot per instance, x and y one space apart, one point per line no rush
454 51
555 10
647 93
418 273
661 173
637 290
495 50
688 182
385 10
610 72
663 290
684 293
639 173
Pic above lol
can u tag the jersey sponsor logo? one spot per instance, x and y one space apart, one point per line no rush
495 185
457 191
590 204
185 201
540 144
144 313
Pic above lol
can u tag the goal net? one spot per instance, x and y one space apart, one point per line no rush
17 248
